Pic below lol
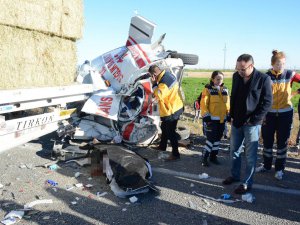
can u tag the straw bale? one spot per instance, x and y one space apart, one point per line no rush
34 59
63 18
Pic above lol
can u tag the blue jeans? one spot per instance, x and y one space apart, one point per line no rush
248 136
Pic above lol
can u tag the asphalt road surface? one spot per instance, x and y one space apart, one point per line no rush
277 202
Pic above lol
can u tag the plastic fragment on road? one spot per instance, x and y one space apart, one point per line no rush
74 203
203 176
206 202
192 185
225 196
52 182
68 187
133 199
9 221
53 167
46 217
77 174
216 199
248 197
99 194
22 166
79 185
124 209
15 214
12 216
192 205
38 202
88 185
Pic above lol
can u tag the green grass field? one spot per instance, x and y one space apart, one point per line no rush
193 86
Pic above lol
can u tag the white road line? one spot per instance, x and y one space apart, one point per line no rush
218 180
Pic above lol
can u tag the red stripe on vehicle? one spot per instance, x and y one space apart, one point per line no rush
128 130
144 53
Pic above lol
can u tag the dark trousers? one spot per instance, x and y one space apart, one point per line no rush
214 133
279 124
298 135
168 129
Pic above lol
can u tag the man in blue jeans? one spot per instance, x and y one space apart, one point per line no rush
251 99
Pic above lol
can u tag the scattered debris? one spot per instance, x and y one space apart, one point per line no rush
53 167
29 166
88 185
77 198
192 205
101 194
203 176
12 216
79 185
133 199
9 221
54 189
248 197
225 196
81 162
46 217
38 202
51 182
192 185
69 187
90 178
124 209
22 166
74 203
216 199
77 174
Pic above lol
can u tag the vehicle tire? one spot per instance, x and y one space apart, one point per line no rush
183 133
188 59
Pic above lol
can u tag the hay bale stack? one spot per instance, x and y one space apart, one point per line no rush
63 18
37 42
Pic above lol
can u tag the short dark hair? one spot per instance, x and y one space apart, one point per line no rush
245 58
152 68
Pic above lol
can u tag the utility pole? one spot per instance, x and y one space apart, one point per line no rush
224 49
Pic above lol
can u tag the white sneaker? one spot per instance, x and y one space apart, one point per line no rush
260 169
279 175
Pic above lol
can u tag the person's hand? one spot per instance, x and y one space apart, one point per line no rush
153 79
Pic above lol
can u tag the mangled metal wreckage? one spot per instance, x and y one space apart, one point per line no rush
122 107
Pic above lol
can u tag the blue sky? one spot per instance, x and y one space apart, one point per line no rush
199 27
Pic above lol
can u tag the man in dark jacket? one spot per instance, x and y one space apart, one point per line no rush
251 99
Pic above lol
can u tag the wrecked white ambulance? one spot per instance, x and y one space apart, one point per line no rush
122 106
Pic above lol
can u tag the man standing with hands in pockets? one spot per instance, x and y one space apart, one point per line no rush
251 99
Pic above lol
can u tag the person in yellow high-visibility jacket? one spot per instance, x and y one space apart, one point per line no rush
280 118
214 111
166 90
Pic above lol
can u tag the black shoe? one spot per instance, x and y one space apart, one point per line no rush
215 160
230 180
205 162
242 189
